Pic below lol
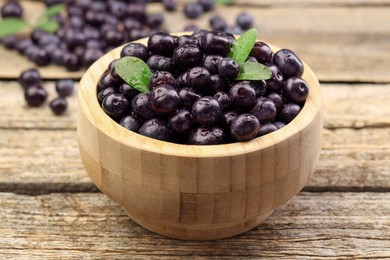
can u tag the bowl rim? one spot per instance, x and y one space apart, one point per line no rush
88 103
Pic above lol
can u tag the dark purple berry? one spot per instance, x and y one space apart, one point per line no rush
223 99
242 96
29 78
217 23
95 18
199 34
188 97
128 91
277 99
207 136
276 82
9 41
118 9
136 50
129 23
163 100
170 5
106 81
296 90
181 80
115 105
58 105
162 78
216 43
162 44
244 128
115 76
41 57
136 10
158 62
154 20
140 106
131 123
279 124
217 84
260 87
288 63
199 79
211 62
206 110
181 122
90 56
71 61
228 118
244 20
11 9
267 128
113 37
262 52
252 59
289 112
35 96
64 87
193 10
187 56
186 39
264 110
228 68
155 128
104 93
207 5
22 45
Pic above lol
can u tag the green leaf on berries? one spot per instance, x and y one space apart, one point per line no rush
224 2
53 10
50 26
254 71
10 26
243 46
134 72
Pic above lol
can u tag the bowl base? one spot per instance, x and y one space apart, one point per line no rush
197 232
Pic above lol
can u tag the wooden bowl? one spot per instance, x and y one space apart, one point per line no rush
196 192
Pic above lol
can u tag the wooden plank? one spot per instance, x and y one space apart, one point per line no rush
346 106
310 226
42 161
337 48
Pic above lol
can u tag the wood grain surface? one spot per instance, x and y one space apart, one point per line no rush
90 226
316 33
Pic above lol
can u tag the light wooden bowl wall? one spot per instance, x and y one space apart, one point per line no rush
197 192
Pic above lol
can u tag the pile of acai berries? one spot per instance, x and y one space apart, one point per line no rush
198 93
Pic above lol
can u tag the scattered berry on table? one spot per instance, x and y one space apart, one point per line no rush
58 105
65 87
35 95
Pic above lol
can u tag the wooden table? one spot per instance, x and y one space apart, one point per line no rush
49 208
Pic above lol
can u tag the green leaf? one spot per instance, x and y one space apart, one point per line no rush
9 26
254 71
53 10
48 26
224 2
134 72
243 46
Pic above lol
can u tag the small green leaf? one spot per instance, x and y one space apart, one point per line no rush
224 2
48 26
254 71
243 46
9 26
53 10
134 72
